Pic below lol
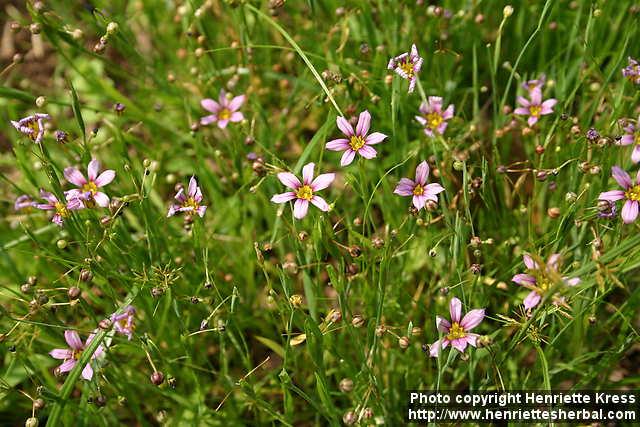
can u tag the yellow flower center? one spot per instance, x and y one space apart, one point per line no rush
407 67
356 142
91 187
633 193
535 110
418 190
637 140
225 114
34 126
76 354
544 284
304 192
455 332
191 203
434 120
61 209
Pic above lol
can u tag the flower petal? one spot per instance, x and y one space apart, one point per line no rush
442 324
74 176
364 122
339 144
472 319
320 203
532 300
101 199
210 105
289 180
73 339
422 173
529 262
629 211
61 353
375 138
105 178
344 126
92 169
300 208
612 195
524 279
622 178
87 372
347 157
307 173
419 201
367 152
455 309
236 102
322 181
283 197
460 344
67 365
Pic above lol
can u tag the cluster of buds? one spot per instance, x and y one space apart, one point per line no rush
112 28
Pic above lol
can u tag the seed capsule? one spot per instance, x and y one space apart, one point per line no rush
157 378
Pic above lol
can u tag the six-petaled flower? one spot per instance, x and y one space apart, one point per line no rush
189 203
457 331
632 137
223 111
535 107
539 279
32 126
89 188
304 192
356 141
407 66
70 356
61 209
632 71
419 189
124 323
433 118
630 193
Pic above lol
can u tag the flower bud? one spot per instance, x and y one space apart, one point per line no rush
346 385
73 293
112 28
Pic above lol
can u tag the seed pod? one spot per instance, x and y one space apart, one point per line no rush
25 288
346 385
404 342
100 401
357 321
31 422
355 251
349 418
157 378
295 300
38 404
86 275
73 292
553 212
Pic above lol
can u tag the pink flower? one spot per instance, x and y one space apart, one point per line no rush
124 323
539 279
88 190
224 111
535 107
356 141
631 194
303 192
32 126
419 189
24 202
70 356
532 85
433 118
189 202
407 66
61 209
632 137
457 331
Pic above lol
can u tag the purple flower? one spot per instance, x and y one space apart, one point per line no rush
631 194
24 202
592 134
61 136
303 192
632 71
457 331
89 188
356 141
61 209
224 111
632 137
124 323
539 279
190 202
70 356
419 189
433 118
535 107
32 126
407 66
531 85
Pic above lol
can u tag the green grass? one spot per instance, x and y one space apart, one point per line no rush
243 266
